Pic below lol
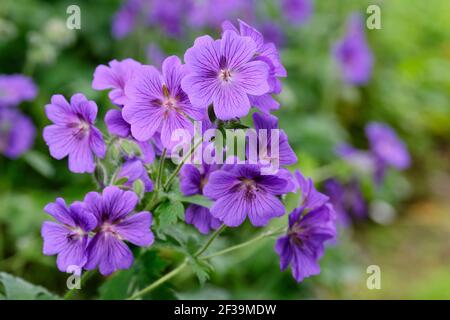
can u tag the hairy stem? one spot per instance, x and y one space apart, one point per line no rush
84 278
161 169
160 281
210 240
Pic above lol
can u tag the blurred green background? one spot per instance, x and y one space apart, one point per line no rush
410 90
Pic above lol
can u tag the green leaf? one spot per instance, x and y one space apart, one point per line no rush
197 199
13 288
201 269
39 162
168 213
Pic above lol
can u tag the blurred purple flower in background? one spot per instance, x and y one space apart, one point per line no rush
192 181
156 102
347 200
352 53
273 32
17 133
16 88
223 72
125 19
241 190
73 133
303 245
297 12
155 55
169 15
116 223
69 236
387 149
115 76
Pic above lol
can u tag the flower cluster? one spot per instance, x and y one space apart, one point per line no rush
91 233
220 81
17 131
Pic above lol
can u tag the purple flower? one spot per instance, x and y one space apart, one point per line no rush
16 88
297 11
17 133
286 156
311 198
73 133
156 102
192 181
117 126
168 15
125 19
225 73
241 191
69 236
273 33
267 53
133 169
115 77
303 245
347 200
115 223
353 54
155 55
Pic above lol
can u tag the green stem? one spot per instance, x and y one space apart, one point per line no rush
210 240
85 277
180 165
160 169
244 244
160 281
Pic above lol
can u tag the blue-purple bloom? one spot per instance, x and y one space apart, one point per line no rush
353 54
156 102
69 236
310 197
125 19
303 245
192 181
168 15
241 190
297 12
133 169
17 133
115 76
224 72
115 224
155 54
73 133
16 88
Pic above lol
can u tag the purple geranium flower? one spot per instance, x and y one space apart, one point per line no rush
303 245
156 102
168 15
297 11
125 19
17 133
225 73
267 53
347 200
115 77
115 223
133 169
273 33
192 181
155 54
241 191
73 133
353 54
286 156
69 236
311 198
16 88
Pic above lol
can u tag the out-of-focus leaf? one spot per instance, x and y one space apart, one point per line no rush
201 269
168 213
197 199
13 288
40 163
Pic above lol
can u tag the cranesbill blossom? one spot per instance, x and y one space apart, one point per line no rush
17 133
353 54
297 12
69 236
156 102
267 53
192 181
286 156
115 76
73 133
125 19
16 88
311 198
303 245
116 223
224 72
242 191
133 169
168 15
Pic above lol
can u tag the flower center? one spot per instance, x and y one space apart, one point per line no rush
249 186
76 233
225 75
109 228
